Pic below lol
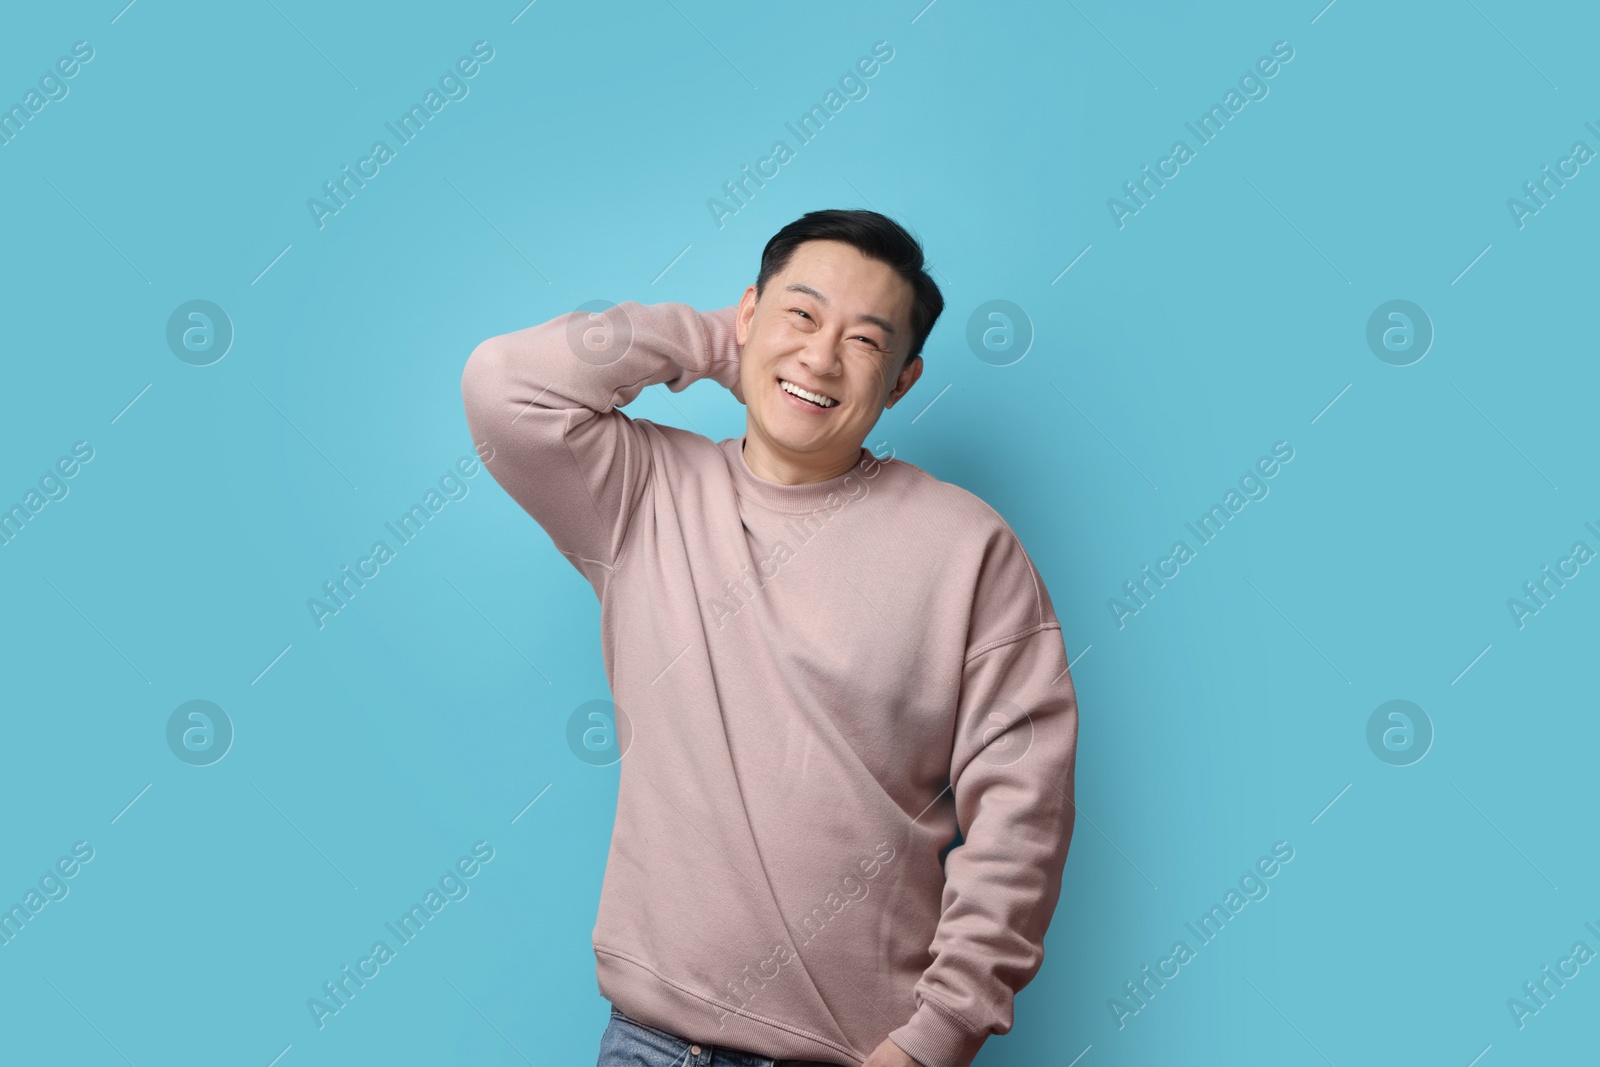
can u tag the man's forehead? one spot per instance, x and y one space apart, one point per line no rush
805 274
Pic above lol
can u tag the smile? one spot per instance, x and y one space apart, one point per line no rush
814 399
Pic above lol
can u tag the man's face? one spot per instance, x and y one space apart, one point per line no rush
833 322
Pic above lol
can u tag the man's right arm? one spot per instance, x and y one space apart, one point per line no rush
545 399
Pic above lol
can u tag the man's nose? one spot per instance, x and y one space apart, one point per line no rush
821 357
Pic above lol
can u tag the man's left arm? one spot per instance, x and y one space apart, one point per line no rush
1012 769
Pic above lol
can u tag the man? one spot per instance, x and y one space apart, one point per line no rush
825 665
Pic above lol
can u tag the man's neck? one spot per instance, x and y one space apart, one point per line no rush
772 469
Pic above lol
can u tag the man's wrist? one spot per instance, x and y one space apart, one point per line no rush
934 1039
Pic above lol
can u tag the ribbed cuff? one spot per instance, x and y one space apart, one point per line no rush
933 1039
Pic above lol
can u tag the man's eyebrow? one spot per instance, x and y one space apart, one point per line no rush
876 320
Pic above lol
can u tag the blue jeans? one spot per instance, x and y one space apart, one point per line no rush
630 1043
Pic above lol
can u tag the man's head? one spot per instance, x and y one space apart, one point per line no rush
841 307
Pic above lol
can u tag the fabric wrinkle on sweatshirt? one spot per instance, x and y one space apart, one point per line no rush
824 683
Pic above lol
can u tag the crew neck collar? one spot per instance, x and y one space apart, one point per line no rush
795 499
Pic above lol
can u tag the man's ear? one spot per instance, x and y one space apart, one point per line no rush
907 379
746 312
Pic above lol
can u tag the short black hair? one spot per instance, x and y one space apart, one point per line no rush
876 236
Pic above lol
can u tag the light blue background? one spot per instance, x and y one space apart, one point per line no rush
1228 314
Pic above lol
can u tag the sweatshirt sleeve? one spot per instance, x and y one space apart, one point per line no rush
544 399
1012 772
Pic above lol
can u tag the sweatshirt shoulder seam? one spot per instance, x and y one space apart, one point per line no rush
1033 572
1002 524
1051 624
628 518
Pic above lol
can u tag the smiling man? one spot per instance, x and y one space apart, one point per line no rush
817 370
827 666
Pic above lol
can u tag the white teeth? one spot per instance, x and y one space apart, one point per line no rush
815 398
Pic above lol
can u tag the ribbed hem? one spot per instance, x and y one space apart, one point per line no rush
934 1039
655 1000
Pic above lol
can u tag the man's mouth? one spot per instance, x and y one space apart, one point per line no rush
817 400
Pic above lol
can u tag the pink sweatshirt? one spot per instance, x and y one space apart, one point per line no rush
817 686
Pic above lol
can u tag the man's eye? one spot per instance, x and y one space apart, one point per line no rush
858 337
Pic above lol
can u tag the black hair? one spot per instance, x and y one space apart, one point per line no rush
876 236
